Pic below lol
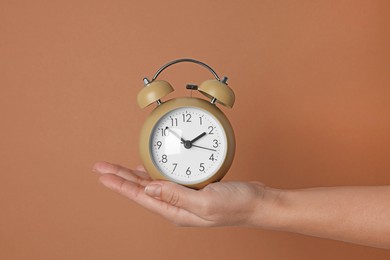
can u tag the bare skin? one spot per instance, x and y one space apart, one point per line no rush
352 214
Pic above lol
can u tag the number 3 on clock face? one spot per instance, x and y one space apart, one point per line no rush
188 145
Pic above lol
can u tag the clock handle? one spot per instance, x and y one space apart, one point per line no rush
185 60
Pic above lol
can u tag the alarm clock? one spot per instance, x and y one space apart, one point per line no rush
187 140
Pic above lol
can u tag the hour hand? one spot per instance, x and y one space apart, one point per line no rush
198 137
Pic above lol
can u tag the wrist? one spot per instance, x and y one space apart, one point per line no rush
270 210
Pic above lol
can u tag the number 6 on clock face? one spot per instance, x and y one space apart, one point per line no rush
188 145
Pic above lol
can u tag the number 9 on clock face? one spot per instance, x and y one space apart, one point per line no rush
188 145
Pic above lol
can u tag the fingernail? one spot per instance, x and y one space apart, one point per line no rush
153 190
102 167
95 167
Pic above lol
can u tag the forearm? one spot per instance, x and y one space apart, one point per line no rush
354 214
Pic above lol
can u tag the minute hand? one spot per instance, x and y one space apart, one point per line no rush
175 134
204 148
198 137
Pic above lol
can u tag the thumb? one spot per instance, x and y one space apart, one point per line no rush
175 194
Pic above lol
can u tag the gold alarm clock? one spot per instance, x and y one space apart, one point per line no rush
187 140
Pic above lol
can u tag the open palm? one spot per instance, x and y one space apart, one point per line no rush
218 204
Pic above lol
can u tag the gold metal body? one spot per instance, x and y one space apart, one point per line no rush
172 104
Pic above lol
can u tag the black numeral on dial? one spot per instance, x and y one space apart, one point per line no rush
174 121
201 167
211 130
164 131
187 118
164 158
174 167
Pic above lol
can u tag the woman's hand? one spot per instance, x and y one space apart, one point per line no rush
218 204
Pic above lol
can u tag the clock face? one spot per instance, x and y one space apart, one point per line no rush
188 145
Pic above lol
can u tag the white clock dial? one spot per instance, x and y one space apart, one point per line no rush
188 145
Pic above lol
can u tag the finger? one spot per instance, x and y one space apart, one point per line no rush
105 167
130 175
136 193
177 195
140 169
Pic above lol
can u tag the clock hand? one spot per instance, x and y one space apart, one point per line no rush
187 144
175 134
204 148
198 137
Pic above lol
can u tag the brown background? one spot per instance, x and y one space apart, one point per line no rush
312 85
